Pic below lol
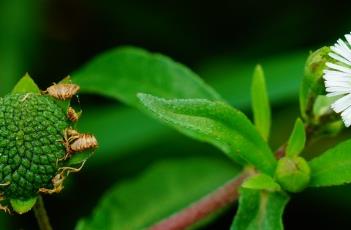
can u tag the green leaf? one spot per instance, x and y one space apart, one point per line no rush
23 206
220 73
261 182
26 85
260 210
216 123
297 139
66 80
231 77
260 103
79 158
332 167
124 72
139 131
163 189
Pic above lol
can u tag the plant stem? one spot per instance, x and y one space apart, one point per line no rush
41 214
212 202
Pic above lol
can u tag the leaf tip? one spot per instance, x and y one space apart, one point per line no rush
258 72
23 206
26 85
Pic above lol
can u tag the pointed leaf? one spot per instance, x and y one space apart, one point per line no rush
66 80
332 167
260 210
297 139
261 182
23 206
124 72
163 189
79 158
26 85
216 123
260 103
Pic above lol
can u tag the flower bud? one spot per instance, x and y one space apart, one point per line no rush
312 84
292 173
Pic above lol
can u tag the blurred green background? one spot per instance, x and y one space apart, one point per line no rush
221 40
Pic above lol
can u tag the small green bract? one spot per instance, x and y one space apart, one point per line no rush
31 142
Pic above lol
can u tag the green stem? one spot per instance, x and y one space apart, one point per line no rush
41 215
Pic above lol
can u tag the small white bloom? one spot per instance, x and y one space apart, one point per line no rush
338 78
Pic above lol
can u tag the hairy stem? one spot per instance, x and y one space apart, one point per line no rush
41 215
212 202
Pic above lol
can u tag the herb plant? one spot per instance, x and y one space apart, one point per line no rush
263 179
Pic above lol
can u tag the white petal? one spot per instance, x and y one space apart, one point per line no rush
333 94
338 83
333 77
338 67
342 104
342 50
338 89
335 72
348 38
338 58
346 117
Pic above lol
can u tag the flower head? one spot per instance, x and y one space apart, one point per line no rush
337 78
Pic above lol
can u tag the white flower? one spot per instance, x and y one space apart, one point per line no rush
338 78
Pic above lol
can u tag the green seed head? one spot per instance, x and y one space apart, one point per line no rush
31 142
292 173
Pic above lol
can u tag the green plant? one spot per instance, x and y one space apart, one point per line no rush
261 179
168 93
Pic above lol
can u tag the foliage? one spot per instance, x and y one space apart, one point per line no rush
163 183
176 96
203 115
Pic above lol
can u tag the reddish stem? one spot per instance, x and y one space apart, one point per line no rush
280 151
216 200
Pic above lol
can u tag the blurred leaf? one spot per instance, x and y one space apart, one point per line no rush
231 77
260 103
216 123
124 72
18 22
297 139
119 131
261 182
26 85
260 210
332 167
160 191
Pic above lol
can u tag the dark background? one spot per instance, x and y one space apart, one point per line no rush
52 38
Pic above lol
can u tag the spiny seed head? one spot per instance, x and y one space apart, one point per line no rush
63 91
31 142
